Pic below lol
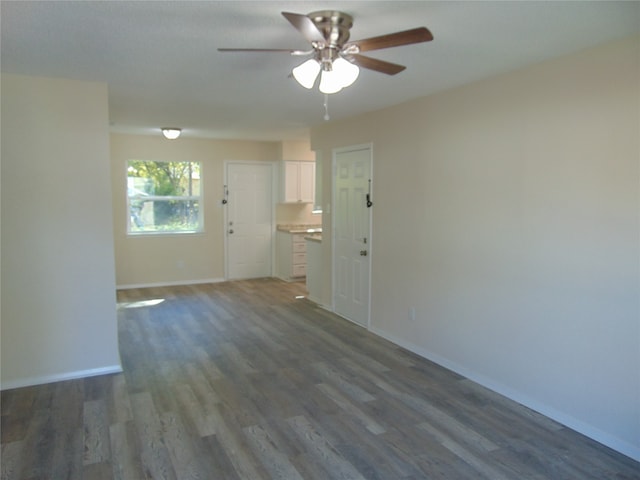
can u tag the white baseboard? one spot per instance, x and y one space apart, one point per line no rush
626 448
320 304
315 300
60 377
169 284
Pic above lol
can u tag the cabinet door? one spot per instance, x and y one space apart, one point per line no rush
298 182
307 181
291 190
299 271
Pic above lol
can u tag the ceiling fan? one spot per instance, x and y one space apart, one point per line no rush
333 56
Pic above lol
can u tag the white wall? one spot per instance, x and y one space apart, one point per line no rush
58 298
506 213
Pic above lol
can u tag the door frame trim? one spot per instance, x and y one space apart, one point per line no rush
334 173
225 221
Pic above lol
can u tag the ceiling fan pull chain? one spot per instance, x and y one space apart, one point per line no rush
326 107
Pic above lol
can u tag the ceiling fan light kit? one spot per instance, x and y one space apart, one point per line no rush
335 59
338 75
335 76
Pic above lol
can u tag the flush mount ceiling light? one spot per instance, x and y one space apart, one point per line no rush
334 58
171 133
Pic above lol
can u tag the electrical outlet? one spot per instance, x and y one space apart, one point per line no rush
412 314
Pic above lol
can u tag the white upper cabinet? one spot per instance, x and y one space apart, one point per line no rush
298 182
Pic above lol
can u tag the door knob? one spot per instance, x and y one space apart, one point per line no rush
363 253
230 231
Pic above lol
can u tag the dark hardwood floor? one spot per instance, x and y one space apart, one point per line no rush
240 380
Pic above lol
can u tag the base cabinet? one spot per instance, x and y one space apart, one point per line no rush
291 255
314 270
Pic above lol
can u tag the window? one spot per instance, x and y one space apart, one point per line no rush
163 197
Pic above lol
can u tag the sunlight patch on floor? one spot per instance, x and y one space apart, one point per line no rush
141 303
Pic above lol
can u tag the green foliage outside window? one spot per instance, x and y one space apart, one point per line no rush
163 196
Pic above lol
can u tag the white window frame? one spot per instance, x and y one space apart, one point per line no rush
194 198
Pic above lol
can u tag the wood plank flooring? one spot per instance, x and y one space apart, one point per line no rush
240 380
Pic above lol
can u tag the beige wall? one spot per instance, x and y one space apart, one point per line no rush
294 214
506 213
58 297
172 259
297 150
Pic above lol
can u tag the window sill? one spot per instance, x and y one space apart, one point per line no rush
165 234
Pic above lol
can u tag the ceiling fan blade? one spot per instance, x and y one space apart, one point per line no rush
375 64
416 35
260 50
306 26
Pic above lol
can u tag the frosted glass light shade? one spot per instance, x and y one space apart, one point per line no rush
347 71
330 82
171 133
342 74
306 73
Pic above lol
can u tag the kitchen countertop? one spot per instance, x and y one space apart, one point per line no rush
300 228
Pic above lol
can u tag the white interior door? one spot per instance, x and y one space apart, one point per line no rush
249 219
351 227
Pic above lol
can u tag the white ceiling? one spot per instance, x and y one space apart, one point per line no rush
162 66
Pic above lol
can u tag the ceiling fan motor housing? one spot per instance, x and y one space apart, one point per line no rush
333 25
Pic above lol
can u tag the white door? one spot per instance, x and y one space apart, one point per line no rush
249 219
352 241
